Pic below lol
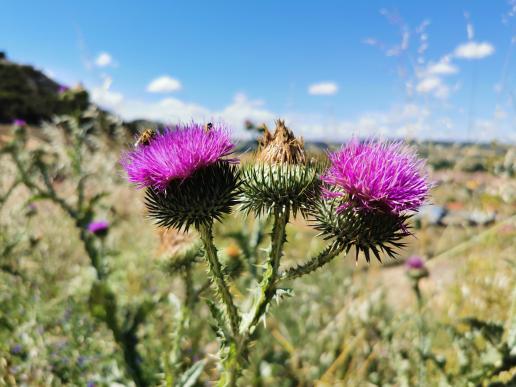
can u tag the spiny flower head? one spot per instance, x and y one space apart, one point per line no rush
176 154
99 227
377 176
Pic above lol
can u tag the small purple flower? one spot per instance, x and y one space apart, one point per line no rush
63 89
176 154
373 175
99 227
19 122
17 349
415 263
90 383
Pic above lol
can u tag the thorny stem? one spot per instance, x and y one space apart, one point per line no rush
270 277
127 341
326 256
267 291
218 279
232 366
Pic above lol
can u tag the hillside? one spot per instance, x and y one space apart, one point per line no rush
27 93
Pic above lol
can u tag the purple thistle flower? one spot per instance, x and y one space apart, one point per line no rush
63 89
373 175
99 227
19 122
415 263
176 154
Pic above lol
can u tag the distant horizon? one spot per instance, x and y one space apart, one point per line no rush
440 72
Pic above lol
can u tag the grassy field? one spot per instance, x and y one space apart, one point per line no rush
349 324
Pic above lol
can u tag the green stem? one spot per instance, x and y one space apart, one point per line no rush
324 257
127 341
232 367
270 277
93 253
218 279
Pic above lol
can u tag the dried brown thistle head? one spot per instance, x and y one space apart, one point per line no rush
281 147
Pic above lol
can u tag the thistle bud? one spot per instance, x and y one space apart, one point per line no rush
416 268
280 177
281 147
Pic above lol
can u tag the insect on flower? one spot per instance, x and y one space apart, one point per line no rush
145 137
188 178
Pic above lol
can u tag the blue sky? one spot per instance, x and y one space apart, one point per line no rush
440 69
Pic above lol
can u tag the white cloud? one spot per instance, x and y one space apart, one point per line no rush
428 84
172 110
370 41
323 88
433 85
167 110
242 108
164 84
401 120
474 50
470 30
443 67
104 59
500 113
469 26
410 120
106 98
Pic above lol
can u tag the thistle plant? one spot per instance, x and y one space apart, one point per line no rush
363 200
40 170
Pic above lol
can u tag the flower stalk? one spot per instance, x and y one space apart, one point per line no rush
323 258
270 276
218 279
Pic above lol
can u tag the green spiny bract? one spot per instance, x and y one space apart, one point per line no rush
198 200
266 186
367 231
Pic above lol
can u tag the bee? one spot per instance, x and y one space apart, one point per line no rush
145 137
208 127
